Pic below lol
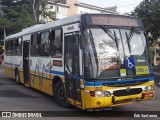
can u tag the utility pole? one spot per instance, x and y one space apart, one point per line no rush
56 6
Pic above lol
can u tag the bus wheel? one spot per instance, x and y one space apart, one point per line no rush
59 94
17 78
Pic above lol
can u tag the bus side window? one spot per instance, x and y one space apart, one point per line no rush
43 48
56 43
19 46
8 50
10 47
34 45
76 53
14 47
6 47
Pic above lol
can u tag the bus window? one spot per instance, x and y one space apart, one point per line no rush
69 52
6 47
9 47
56 43
34 46
19 46
14 47
76 53
44 46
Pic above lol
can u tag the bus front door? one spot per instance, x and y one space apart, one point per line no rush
72 68
26 62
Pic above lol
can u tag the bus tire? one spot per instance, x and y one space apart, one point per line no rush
59 95
17 77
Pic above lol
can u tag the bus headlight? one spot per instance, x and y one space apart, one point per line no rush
107 93
100 93
148 88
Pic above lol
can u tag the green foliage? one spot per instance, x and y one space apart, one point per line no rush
21 14
16 18
149 12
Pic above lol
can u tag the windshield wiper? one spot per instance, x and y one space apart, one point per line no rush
129 37
111 35
116 40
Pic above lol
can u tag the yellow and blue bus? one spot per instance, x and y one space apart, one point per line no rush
87 60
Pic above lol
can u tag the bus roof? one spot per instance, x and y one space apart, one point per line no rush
64 21
40 27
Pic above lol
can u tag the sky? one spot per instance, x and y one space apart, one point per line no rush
126 5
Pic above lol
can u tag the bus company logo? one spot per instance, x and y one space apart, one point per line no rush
21 114
6 114
128 89
119 80
141 60
70 27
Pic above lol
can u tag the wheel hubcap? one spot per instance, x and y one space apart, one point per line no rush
61 93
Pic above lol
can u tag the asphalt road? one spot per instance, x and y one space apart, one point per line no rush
15 97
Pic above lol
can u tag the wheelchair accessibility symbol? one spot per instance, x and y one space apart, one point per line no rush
130 63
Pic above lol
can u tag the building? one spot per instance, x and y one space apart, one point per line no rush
63 8
76 7
59 9
87 8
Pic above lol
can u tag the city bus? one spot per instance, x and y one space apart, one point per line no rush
91 61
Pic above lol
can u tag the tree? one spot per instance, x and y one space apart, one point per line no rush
19 14
46 14
35 8
39 8
16 18
149 12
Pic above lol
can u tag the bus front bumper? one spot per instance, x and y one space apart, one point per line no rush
103 102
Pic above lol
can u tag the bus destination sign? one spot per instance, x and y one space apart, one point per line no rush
113 20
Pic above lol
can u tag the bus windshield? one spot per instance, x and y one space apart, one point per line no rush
107 50
134 42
